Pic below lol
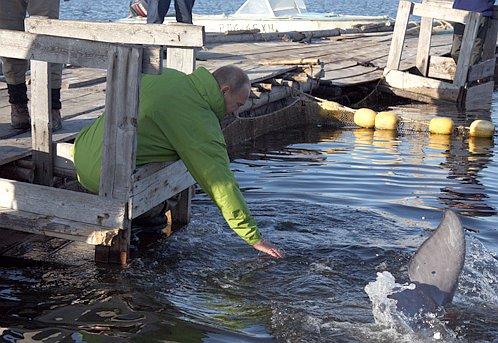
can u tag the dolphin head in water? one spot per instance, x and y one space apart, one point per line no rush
434 269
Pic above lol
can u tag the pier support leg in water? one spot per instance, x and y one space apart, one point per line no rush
118 252
179 216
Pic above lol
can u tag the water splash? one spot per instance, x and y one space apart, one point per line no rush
384 308
423 327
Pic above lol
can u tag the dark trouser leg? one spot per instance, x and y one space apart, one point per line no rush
183 9
478 44
458 29
17 93
157 10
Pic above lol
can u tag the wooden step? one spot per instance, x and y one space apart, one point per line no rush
56 227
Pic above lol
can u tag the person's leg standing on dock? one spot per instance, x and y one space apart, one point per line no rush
12 15
157 10
485 7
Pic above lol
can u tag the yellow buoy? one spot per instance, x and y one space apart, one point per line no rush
481 128
365 117
441 126
386 121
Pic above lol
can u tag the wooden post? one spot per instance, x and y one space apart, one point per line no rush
402 17
182 59
469 37
120 139
41 122
424 45
180 214
121 115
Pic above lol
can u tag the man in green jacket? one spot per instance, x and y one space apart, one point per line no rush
179 118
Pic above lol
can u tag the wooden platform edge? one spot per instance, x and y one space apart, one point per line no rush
56 227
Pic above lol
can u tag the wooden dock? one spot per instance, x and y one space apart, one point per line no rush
279 70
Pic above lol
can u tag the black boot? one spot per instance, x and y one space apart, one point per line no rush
19 113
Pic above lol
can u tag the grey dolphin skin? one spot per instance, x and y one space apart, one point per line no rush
435 268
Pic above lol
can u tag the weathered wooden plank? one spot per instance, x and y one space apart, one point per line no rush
61 203
180 214
268 36
158 187
182 59
479 96
482 70
41 122
441 12
169 34
147 170
469 37
421 85
398 39
118 160
84 53
441 3
56 227
424 45
441 67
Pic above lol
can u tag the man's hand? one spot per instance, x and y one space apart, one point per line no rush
269 249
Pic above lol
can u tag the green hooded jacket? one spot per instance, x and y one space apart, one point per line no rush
178 119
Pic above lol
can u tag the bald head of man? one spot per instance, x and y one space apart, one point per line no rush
235 86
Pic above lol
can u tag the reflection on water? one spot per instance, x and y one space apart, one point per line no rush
343 205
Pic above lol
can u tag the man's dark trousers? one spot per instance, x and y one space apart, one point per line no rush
157 10
478 44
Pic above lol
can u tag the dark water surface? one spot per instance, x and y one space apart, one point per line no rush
117 9
343 205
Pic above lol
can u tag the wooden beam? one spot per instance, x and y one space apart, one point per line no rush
61 203
120 135
479 96
158 187
442 67
56 227
146 170
468 40
182 59
441 3
398 39
406 94
482 70
435 89
169 34
424 46
180 214
41 123
24 45
441 12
